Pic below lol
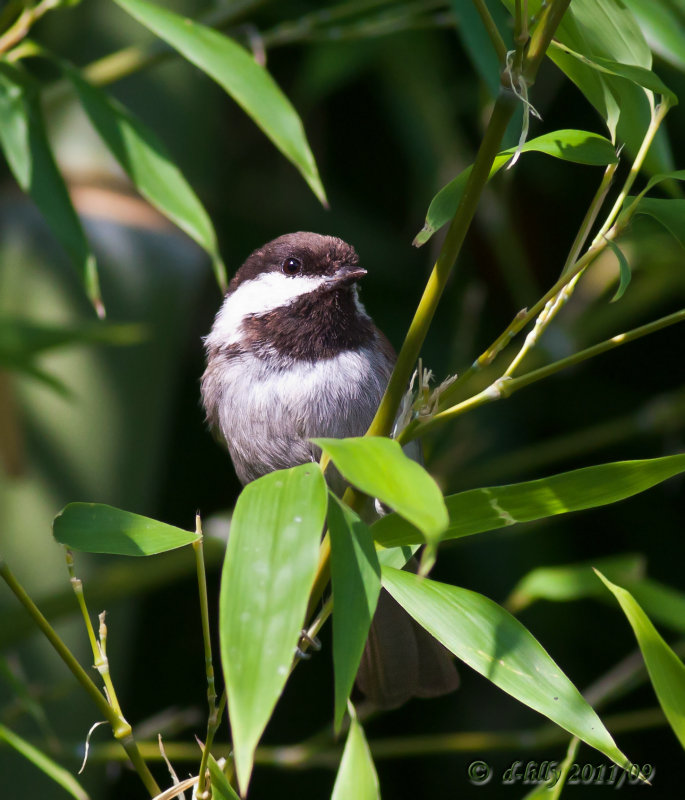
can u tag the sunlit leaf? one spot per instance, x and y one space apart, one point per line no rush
356 776
666 670
29 156
356 578
378 466
495 644
233 68
486 509
145 160
54 771
271 560
97 528
580 147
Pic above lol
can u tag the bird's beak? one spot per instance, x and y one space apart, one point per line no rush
346 275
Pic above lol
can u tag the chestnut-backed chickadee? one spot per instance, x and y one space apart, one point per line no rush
293 355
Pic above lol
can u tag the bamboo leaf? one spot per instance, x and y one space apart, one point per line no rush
479 510
496 645
666 670
670 213
233 68
54 771
663 29
580 147
25 143
146 161
97 528
356 579
356 776
378 467
271 560
573 581
221 788
623 269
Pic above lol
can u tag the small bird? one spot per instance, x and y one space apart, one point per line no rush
294 355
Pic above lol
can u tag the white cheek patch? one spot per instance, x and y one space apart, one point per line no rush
258 296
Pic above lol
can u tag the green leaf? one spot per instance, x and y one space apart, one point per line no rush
356 579
580 147
271 560
479 510
97 528
670 213
623 268
378 467
21 340
638 75
666 670
54 771
499 647
607 29
573 581
356 776
29 156
662 28
146 161
233 68
662 603
221 788
675 175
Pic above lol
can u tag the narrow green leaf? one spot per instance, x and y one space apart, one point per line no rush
29 156
271 560
499 647
623 269
663 29
221 788
97 528
357 777
580 147
356 579
670 213
573 581
640 76
378 467
233 68
146 161
54 771
666 670
21 340
675 175
479 510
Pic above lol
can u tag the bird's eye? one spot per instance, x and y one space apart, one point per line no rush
291 266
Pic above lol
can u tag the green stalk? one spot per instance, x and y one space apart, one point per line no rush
120 728
611 228
491 30
505 387
215 711
490 146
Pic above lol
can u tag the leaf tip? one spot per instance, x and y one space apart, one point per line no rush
423 235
